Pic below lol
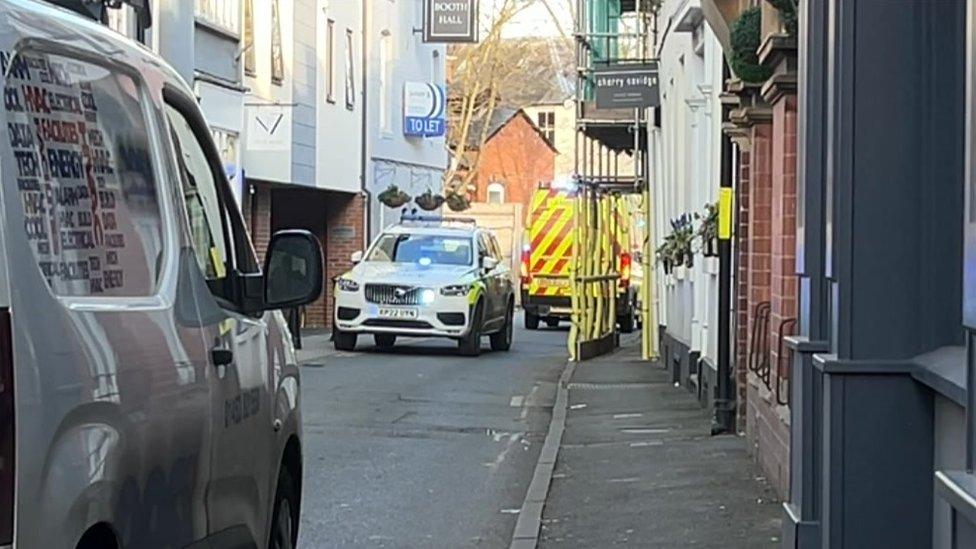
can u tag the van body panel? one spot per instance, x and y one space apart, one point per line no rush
121 416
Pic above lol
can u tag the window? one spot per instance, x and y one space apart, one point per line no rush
250 57
350 72
277 59
496 193
200 193
386 54
223 14
330 61
424 249
547 124
84 176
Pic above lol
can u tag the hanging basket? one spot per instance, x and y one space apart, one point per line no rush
429 201
393 197
458 202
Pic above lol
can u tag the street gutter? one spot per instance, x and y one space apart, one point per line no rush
526 533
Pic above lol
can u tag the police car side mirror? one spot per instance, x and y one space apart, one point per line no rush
356 256
293 270
489 263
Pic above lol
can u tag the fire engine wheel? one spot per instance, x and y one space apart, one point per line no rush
531 321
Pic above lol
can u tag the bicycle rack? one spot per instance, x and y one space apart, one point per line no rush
780 378
759 342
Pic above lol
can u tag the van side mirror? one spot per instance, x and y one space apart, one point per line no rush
489 263
356 256
293 270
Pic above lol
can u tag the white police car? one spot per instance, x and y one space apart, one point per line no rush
427 276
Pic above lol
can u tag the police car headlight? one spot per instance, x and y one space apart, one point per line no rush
456 290
427 296
347 285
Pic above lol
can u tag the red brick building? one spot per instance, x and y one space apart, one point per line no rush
514 159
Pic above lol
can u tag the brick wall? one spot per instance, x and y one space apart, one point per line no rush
258 219
772 277
742 287
518 157
343 212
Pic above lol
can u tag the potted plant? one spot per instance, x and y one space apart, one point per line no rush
429 201
393 197
708 230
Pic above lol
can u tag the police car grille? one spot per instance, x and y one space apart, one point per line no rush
390 294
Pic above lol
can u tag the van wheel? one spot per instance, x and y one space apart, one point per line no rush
502 339
470 345
531 321
343 341
284 522
385 341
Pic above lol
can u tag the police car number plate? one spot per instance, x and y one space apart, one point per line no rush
391 312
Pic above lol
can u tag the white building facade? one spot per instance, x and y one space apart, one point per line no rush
396 56
686 159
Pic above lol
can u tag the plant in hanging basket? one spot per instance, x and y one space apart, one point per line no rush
457 201
787 14
708 230
683 234
393 197
429 201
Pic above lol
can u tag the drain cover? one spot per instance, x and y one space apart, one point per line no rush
609 386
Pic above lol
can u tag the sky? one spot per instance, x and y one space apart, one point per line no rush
535 20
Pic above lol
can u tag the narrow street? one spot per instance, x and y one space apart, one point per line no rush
420 447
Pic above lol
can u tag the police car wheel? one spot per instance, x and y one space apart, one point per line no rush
384 341
343 341
470 345
502 339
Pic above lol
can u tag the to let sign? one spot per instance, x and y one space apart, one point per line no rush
423 109
450 21
627 86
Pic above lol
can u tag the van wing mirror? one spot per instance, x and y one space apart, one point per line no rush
356 256
293 270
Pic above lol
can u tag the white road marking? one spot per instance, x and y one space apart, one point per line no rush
646 443
516 401
627 416
645 431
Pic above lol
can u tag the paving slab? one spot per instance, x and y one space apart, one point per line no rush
638 467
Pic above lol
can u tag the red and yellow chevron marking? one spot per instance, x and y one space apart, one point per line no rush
550 236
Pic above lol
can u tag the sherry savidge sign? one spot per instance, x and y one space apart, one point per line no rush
423 109
450 21
627 86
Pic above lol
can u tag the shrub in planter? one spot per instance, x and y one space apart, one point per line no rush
393 197
429 201
745 39
708 230
787 13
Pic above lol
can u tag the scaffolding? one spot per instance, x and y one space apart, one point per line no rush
609 33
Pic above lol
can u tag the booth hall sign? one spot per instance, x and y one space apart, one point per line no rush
450 21
630 86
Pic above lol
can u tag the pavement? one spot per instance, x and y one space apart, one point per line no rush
637 467
419 447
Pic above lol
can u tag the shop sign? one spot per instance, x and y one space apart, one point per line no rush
631 86
423 110
450 21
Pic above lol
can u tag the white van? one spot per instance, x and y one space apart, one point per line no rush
149 393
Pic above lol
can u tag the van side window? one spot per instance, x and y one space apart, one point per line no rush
77 156
203 207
